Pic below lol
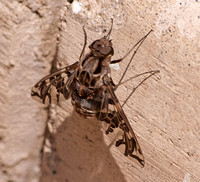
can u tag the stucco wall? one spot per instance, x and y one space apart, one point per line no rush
52 143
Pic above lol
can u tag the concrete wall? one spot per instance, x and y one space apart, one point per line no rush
54 144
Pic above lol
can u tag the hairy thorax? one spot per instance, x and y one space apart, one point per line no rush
86 97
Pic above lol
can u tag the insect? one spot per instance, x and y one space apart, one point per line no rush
92 90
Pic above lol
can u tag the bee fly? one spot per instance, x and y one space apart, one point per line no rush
92 91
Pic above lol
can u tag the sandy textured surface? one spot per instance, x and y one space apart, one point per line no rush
54 144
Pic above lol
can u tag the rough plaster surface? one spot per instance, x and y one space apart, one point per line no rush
27 45
164 112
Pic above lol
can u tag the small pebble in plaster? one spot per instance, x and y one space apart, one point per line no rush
76 7
115 66
186 177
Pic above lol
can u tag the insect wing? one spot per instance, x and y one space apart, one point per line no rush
129 143
56 86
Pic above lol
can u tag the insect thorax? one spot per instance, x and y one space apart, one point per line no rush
91 71
87 97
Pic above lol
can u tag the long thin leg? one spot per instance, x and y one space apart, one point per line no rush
85 42
139 43
140 74
151 74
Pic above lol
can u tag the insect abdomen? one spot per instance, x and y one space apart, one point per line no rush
86 105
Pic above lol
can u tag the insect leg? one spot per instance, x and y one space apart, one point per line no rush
140 74
84 45
151 74
139 43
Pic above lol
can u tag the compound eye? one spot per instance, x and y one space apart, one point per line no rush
106 50
97 45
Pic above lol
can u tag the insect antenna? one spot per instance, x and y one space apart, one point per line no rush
84 45
108 35
139 43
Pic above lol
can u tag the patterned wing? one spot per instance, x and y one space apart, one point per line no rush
112 113
56 86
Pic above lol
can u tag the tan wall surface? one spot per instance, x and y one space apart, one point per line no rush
164 112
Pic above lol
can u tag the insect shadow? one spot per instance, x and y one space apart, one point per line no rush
79 153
